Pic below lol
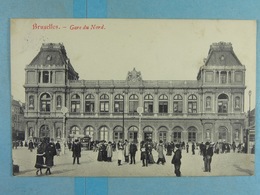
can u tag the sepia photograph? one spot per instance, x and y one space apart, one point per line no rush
133 97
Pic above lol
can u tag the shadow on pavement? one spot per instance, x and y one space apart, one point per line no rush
248 171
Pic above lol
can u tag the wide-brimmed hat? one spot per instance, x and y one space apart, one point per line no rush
207 143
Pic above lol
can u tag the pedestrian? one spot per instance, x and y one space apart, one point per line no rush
207 157
39 164
187 147
217 148
69 145
58 148
201 148
133 149
104 150
144 153
176 160
161 157
120 152
126 151
76 151
30 147
150 152
193 148
109 150
169 149
100 149
50 152
234 146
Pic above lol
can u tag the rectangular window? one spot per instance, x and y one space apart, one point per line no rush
192 107
75 106
39 77
45 106
163 107
176 136
89 107
162 136
133 105
192 136
104 106
177 107
45 78
119 106
148 107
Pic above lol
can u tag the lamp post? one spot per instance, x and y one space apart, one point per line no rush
123 116
247 130
64 111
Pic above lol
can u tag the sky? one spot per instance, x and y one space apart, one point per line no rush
161 49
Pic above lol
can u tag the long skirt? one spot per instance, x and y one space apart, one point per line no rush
100 156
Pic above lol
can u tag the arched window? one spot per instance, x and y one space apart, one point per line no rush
192 104
31 102
148 103
44 131
176 134
222 104
103 133
75 103
133 133
208 102
177 104
119 103
222 136
89 131
59 102
104 103
74 130
192 134
89 103
163 134
148 133
163 104
133 103
118 133
45 102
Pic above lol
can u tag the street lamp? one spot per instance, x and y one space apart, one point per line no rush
123 116
247 130
64 111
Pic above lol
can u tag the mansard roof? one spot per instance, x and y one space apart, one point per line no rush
222 54
52 54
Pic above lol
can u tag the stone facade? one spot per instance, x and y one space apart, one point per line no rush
211 108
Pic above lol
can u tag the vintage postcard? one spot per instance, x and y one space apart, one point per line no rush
133 97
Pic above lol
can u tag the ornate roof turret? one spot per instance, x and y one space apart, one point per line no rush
134 76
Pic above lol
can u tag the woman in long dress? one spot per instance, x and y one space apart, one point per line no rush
39 164
120 152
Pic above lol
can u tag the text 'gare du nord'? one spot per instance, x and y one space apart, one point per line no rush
60 106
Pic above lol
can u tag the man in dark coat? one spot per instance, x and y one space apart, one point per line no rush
30 147
207 156
176 160
50 152
76 151
193 148
133 149
58 148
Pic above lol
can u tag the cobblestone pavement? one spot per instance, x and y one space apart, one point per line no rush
192 165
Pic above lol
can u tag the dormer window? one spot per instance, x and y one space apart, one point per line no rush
222 58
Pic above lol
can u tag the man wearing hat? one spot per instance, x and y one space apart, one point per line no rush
76 151
207 157
176 161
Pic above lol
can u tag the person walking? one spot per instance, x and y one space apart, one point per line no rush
161 157
144 153
50 152
120 152
176 160
193 148
76 151
30 145
39 164
109 150
187 147
58 148
126 151
133 149
207 157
